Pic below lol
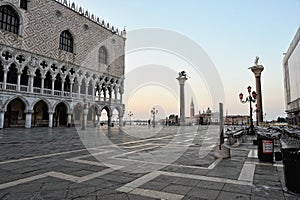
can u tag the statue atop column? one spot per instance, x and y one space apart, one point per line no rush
256 61
182 74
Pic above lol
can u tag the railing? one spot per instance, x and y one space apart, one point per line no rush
23 88
11 87
36 90
57 93
66 94
48 92
90 97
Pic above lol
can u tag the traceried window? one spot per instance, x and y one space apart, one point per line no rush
9 19
23 4
66 41
103 55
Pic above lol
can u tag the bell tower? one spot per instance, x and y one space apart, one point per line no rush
192 109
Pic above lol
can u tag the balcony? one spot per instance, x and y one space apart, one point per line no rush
56 93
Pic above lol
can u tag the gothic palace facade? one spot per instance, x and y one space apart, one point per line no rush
60 65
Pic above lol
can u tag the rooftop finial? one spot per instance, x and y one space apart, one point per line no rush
94 18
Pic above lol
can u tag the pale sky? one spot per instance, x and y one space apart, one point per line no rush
230 33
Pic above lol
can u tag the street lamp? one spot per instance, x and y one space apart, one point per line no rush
130 114
153 113
251 99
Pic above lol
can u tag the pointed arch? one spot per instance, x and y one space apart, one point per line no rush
40 113
23 99
12 75
48 104
78 114
9 19
37 82
64 102
66 41
60 115
103 55
15 112
24 76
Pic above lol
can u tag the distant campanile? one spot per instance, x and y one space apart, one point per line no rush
192 109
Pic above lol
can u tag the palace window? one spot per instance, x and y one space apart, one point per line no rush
103 55
66 41
9 19
23 4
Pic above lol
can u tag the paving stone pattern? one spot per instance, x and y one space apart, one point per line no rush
44 163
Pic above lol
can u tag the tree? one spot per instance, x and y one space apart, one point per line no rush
281 120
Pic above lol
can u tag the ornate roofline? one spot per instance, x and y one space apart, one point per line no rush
85 13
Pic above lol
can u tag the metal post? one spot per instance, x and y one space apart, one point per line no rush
221 124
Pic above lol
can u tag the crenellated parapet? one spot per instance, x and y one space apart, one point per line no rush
81 11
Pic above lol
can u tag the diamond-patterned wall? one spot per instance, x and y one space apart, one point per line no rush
46 19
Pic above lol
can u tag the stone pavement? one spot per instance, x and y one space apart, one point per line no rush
134 162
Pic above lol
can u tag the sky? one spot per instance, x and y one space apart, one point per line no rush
225 36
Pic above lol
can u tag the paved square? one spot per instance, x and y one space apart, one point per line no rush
135 162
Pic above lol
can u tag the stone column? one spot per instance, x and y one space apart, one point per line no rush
42 84
104 93
79 87
69 119
50 119
116 94
4 78
19 82
52 88
71 89
85 113
257 69
109 115
121 121
93 93
2 119
121 91
110 95
28 119
62 88
98 118
31 79
86 90
182 78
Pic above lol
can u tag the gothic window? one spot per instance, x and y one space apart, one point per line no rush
66 41
23 4
103 55
9 19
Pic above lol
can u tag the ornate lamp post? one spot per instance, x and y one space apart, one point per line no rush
130 114
251 99
153 113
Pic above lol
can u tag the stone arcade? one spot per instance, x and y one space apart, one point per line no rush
59 65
